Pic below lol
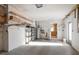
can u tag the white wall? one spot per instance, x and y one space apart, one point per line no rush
75 34
16 37
60 33
69 19
16 34
46 24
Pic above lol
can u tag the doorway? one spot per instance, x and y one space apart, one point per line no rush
54 31
70 32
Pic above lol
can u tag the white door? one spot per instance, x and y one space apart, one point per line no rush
70 31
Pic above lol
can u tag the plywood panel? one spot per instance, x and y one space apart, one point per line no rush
1 33
54 33
3 14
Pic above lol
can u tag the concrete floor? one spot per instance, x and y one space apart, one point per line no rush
43 48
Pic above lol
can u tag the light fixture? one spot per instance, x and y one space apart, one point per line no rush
39 5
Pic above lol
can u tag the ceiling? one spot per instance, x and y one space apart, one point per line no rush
47 12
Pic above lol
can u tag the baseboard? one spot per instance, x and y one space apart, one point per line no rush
1 51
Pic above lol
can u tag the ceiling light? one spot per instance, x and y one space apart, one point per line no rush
39 5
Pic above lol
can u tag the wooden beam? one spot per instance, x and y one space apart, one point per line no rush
20 16
73 9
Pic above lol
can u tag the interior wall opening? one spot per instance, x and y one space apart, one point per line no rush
54 31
